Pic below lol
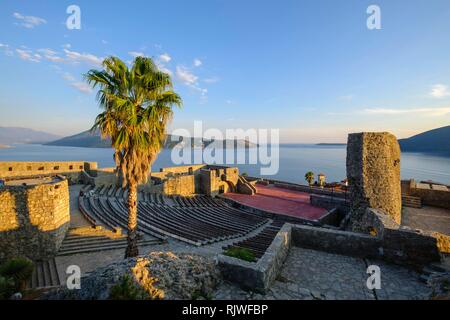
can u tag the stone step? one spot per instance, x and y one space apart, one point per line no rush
410 201
95 247
75 244
45 275
81 237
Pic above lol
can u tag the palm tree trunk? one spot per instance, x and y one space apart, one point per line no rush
132 248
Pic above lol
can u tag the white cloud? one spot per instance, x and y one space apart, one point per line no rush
67 46
28 55
439 91
68 77
163 68
104 42
165 57
51 55
88 58
422 111
185 76
6 49
136 54
47 51
53 58
82 87
197 62
28 21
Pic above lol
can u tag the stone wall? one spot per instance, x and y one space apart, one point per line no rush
384 240
329 203
373 173
260 275
219 179
70 169
34 219
191 169
429 195
195 179
183 185
312 189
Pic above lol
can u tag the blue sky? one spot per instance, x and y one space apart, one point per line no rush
310 68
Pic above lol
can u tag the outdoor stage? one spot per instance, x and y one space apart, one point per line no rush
280 201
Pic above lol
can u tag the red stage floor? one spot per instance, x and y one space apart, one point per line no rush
281 201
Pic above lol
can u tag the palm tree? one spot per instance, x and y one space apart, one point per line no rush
137 106
309 177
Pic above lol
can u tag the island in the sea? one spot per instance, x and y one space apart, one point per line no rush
433 141
93 139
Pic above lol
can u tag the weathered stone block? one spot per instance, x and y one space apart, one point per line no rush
32 225
373 173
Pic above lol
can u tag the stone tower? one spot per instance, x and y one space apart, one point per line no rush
373 173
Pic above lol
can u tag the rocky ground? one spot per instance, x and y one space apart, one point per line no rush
158 275
306 275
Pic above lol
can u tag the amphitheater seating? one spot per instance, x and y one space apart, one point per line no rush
259 243
197 201
196 220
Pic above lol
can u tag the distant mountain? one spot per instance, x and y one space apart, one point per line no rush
433 141
10 135
89 139
85 139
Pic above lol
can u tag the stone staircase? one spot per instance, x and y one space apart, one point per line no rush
437 270
45 275
77 244
412 202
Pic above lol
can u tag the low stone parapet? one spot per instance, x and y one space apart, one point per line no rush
384 239
260 275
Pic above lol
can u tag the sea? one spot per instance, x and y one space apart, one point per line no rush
293 161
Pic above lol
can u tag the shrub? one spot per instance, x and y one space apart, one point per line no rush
19 270
7 288
127 289
241 253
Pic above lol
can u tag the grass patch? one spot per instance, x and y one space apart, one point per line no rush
127 289
240 253
17 271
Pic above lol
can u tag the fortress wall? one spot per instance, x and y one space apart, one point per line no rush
429 196
373 173
34 219
183 169
70 169
216 178
388 241
180 185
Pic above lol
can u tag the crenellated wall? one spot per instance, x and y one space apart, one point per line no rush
70 169
34 218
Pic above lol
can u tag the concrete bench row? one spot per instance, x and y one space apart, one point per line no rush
195 225
197 201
